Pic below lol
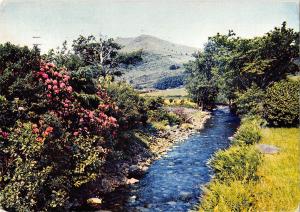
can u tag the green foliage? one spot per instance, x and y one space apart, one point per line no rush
153 103
101 54
250 102
236 163
241 69
282 103
16 63
162 115
131 105
84 79
202 84
170 82
235 171
44 175
234 196
249 132
132 58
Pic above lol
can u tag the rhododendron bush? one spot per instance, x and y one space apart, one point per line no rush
53 146
63 104
63 131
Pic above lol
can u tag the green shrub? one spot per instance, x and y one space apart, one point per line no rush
282 103
132 107
235 196
250 102
161 125
47 174
249 132
163 115
236 163
153 103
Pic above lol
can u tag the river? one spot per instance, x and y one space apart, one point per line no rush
173 183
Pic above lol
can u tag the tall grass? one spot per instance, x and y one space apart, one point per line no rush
277 188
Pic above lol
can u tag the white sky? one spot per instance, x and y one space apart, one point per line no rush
187 22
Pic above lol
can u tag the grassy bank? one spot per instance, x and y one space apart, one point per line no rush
278 188
273 187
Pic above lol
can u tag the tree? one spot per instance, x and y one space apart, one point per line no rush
282 103
251 101
100 54
201 84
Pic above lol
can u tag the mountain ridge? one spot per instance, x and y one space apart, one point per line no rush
158 56
154 44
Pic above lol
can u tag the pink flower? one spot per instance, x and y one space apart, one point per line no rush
48 81
91 114
69 89
59 75
66 105
55 73
56 91
45 76
76 133
112 119
4 135
51 65
54 82
66 78
49 95
55 87
62 85
35 130
49 87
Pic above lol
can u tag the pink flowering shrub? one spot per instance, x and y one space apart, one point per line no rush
63 104
61 132
57 145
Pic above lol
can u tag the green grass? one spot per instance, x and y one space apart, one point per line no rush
294 77
168 93
277 188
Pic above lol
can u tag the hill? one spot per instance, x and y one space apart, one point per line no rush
158 56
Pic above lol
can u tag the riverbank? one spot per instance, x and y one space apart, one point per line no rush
256 177
160 142
172 182
157 144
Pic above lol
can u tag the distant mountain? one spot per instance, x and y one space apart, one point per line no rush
153 44
161 59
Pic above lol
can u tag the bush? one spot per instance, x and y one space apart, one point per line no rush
282 103
153 103
236 163
39 172
131 58
16 65
53 144
170 82
235 196
249 132
161 125
132 107
163 115
174 67
250 102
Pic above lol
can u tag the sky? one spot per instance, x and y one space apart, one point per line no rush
188 22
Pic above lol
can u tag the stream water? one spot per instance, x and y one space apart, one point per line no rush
173 183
